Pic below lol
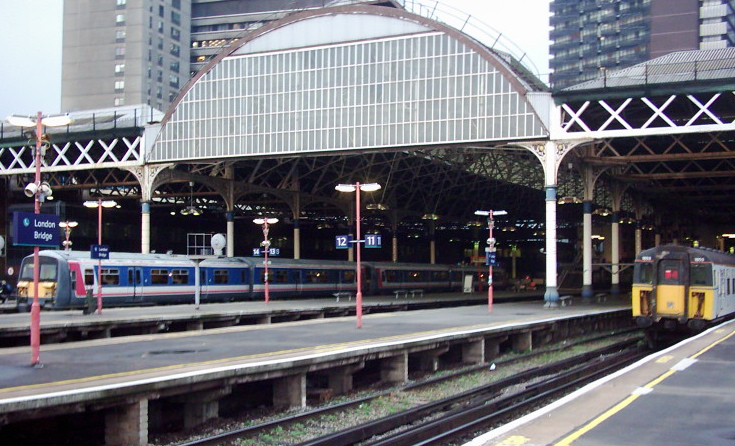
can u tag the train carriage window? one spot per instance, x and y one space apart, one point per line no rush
73 280
180 276
280 276
414 276
221 276
441 275
317 276
700 274
669 272
110 276
243 276
88 277
348 277
159 276
390 276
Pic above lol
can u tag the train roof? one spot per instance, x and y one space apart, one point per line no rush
707 254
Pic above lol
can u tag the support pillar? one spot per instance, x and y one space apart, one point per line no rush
201 407
127 425
296 239
587 291
473 352
551 296
290 391
522 342
230 215
394 369
429 359
615 254
145 227
340 378
492 347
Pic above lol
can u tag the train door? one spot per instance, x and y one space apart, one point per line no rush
135 282
672 285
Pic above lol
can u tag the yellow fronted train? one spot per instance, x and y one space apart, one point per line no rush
682 289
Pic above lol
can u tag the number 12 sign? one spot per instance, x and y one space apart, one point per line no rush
343 241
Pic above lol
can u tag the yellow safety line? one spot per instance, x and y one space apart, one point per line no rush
627 401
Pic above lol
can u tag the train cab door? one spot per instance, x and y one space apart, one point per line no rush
135 281
672 285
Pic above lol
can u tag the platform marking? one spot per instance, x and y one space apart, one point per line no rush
684 364
626 402
664 359
514 440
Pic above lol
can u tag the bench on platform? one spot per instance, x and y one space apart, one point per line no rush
565 300
601 297
346 294
401 293
414 293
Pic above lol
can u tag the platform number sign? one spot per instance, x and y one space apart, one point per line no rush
259 252
343 241
373 240
491 258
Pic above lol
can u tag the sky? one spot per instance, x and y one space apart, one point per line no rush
30 77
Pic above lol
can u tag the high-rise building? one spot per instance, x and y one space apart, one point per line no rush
590 36
125 52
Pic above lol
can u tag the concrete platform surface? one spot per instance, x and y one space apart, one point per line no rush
109 362
684 395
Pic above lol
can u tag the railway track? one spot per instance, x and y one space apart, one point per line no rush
458 414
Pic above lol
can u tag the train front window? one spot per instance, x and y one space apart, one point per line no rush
700 274
643 273
46 272
669 272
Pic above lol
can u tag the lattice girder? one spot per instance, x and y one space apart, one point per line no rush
633 116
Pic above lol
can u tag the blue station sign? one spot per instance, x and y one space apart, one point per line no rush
343 241
100 252
373 240
259 252
30 229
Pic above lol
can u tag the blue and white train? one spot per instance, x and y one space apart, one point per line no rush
144 279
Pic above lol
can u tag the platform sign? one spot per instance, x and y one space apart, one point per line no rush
373 240
491 258
343 241
259 252
100 252
31 229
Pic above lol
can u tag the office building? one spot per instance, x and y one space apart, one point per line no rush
590 36
125 52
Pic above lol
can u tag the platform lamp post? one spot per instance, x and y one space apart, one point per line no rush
490 249
39 191
266 244
357 188
99 204
67 226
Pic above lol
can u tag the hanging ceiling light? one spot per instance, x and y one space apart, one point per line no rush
191 210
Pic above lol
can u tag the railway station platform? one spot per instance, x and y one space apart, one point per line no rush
74 325
681 396
132 382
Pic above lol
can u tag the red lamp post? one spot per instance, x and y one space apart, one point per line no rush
490 249
266 244
39 191
357 187
99 204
